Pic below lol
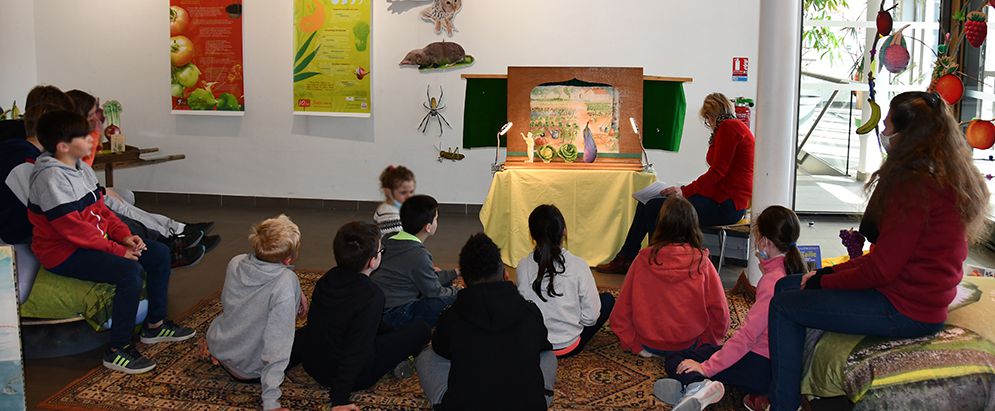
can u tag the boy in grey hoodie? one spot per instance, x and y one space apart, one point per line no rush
253 337
413 287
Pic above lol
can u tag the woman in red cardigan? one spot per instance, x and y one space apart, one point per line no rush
720 196
928 201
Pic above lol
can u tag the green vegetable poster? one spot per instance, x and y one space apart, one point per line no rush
205 56
332 57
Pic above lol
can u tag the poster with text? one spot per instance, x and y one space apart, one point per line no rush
332 57
205 57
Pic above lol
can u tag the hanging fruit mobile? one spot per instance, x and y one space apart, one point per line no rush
946 79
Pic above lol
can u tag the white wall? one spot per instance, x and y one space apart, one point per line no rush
270 152
17 51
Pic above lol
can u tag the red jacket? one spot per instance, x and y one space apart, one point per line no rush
66 208
671 305
730 166
919 256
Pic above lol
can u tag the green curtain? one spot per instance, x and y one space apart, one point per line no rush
486 110
663 114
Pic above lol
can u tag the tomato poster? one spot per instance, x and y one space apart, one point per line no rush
205 55
332 57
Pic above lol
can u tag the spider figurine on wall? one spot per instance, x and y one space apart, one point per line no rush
433 106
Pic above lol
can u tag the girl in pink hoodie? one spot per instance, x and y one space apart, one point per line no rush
744 360
674 273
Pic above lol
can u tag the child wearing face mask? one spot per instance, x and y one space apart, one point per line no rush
397 183
697 375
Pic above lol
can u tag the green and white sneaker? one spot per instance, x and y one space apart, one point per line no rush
127 360
167 332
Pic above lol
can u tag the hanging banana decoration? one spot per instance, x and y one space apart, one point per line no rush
871 122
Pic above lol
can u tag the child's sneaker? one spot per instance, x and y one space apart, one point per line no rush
668 390
405 368
167 332
754 402
127 360
188 257
696 398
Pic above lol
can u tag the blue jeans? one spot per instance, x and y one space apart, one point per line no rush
792 310
126 276
425 309
710 213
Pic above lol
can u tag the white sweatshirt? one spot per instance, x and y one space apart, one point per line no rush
578 305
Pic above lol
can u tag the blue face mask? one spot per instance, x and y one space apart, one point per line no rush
761 254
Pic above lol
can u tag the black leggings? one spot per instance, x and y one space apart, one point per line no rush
710 213
607 304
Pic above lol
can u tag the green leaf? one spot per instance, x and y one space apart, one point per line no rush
300 51
307 60
306 75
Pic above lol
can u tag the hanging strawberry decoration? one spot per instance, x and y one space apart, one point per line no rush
885 22
975 28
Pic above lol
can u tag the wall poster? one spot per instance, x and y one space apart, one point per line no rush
11 367
206 57
332 57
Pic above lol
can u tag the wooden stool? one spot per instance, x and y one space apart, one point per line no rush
734 238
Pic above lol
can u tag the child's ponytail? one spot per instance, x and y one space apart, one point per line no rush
547 228
781 227
793 261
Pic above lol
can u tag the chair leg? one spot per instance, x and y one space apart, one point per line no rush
722 248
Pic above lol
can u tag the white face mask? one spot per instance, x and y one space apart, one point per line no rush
886 141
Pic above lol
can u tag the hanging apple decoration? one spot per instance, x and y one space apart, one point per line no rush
981 134
950 88
885 22
894 54
976 28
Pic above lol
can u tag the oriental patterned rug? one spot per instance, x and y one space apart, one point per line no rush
600 378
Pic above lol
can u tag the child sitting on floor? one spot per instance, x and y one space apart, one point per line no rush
344 346
674 270
489 351
253 337
397 183
744 360
76 235
414 288
562 285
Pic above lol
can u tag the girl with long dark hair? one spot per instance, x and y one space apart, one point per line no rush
672 297
928 202
744 360
561 284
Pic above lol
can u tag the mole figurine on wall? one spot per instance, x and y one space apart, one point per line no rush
442 13
437 56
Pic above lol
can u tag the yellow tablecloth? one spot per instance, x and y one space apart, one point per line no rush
596 204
